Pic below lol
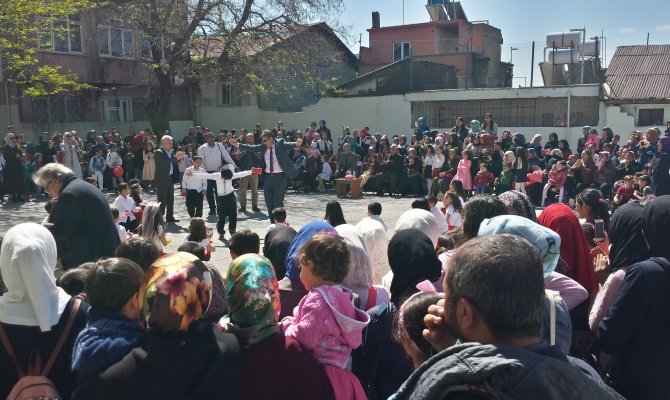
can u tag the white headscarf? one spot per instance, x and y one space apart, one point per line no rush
360 265
373 230
27 262
419 219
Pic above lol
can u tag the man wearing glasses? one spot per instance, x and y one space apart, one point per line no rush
278 167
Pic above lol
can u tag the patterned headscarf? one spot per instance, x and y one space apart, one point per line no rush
518 203
177 292
253 299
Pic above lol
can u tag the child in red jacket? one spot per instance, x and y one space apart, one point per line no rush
483 178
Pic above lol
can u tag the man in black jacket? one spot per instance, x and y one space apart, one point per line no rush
166 164
81 221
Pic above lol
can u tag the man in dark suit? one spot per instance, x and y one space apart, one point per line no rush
80 221
166 164
278 167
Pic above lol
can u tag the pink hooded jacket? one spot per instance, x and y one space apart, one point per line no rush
326 322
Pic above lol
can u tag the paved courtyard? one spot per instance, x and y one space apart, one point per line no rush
301 208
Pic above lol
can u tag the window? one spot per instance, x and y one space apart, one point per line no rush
116 110
139 110
226 95
115 41
57 109
401 50
650 116
62 35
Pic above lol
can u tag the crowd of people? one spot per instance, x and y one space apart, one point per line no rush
474 296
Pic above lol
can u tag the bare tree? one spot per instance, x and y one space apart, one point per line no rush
191 40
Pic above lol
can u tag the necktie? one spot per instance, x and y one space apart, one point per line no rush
272 163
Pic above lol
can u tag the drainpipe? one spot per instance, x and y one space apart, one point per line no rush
567 134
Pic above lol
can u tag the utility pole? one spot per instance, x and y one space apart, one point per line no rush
532 64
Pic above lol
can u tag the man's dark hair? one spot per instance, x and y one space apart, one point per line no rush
375 208
334 214
112 282
140 250
279 214
245 242
421 204
479 208
194 248
501 275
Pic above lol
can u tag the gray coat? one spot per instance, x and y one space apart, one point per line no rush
506 372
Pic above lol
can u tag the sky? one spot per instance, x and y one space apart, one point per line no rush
522 22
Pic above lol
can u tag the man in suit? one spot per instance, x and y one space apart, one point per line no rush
166 163
347 161
278 167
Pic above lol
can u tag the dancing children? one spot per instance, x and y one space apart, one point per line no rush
194 188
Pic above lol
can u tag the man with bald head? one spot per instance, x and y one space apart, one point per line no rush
248 160
347 161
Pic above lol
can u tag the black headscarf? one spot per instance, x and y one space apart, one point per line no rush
412 259
656 226
625 234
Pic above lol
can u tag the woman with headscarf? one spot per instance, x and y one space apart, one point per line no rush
552 143
518 203
548 244
291 289
286 369
635 331
359 279
381 364
175 298
575 249
627 248
34 312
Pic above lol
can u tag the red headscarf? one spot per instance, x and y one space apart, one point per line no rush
575 249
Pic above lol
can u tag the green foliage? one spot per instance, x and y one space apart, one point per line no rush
23 23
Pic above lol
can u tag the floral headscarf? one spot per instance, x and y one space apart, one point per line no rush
253 299
177 292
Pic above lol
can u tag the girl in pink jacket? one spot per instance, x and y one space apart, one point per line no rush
557 177
326 321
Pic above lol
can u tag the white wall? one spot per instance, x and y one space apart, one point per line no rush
390 114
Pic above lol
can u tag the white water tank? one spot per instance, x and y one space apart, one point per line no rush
567 56
588 49
564 39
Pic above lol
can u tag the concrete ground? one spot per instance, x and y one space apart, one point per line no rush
301 209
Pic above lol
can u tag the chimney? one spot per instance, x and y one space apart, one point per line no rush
375 20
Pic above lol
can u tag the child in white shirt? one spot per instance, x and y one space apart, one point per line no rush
123 234
326 173
126 206
442 225
454 207
198 233
194 187
226 206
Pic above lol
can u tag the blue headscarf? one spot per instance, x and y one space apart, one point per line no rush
547 242
519 139
304 234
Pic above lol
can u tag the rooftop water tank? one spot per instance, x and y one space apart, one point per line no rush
588 49
564 39
567 56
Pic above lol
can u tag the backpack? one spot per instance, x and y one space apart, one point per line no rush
33 383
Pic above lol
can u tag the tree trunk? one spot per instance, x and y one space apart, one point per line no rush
158 109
